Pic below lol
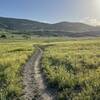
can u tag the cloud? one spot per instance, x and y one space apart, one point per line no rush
91 21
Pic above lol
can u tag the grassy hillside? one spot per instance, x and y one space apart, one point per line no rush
34 28
20 24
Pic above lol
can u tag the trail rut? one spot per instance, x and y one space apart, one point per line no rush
34 86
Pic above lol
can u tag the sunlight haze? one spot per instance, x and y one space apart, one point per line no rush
51 11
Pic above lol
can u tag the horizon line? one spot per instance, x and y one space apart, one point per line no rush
46 22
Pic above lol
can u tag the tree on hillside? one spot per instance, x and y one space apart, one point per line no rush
3 36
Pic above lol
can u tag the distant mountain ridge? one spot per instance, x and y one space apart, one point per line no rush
57 28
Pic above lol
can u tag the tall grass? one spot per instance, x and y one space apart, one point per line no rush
73 69
13 56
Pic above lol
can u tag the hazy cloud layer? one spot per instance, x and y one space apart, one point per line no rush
91 21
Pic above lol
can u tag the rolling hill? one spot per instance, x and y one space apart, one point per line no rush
24 26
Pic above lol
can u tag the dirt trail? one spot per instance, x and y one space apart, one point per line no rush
34 87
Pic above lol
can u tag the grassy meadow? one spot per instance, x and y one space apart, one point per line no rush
72 68
13 55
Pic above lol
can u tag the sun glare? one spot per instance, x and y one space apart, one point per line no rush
97 4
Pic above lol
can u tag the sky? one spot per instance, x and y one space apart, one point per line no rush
52 11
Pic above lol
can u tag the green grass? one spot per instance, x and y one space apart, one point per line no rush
73 69
13 55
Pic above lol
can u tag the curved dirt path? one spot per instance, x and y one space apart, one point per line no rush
34 86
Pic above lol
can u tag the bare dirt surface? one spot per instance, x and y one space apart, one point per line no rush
34 86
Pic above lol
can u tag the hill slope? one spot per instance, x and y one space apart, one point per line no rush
45 29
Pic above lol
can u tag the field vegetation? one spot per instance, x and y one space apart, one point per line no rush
72 68
13 55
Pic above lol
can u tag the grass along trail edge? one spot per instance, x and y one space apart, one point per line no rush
34 87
